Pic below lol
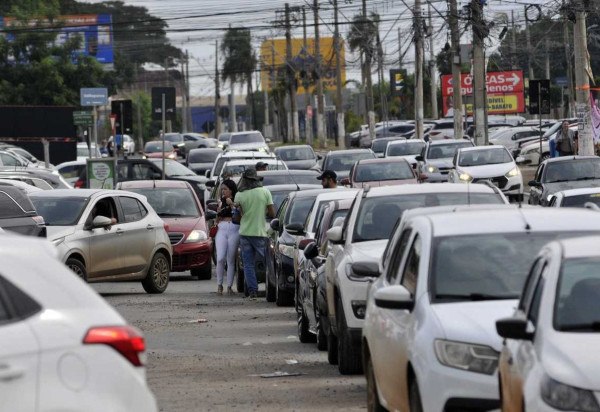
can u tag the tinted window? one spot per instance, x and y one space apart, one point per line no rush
383 171
278 197
577 305
59 211
246 138
299 209
8 160
300 153
484 157
142 171
396 259
581 200
9 207
173 137
343 162
290 179
4 315
132 209
203 156
379 145
224 137
410 273
582 169
401 129
157 147
170 202
24 305
442 151
405 149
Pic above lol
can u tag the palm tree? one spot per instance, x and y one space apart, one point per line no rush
240 63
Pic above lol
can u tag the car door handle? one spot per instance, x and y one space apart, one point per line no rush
149 227
8 374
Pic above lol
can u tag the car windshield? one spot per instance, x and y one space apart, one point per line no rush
572 170
377 216
290 179
475 267
484 157
405 149
581 200
173 167
246 138
371 172
279 196
59 211
203 156
379 145
577 307
224 137
444 151
174 137
343 162
236 170
295 153
170 202
299 209
157 147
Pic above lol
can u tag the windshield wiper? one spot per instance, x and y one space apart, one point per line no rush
587 178
560 181
170 214
594 326
474 296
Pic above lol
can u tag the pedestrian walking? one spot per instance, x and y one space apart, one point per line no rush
228 235
328 179
565 143
254 201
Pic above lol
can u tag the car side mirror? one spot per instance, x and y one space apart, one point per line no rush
101 221
210 183
366 269
419 158
513 328
212 204
311 251
305 242
534 183
295 229
207 174
345 182
394 297
335 234
275 225
319 157
210 215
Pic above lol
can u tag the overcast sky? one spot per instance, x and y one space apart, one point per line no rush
196 26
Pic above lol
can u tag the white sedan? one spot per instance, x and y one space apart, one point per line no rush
62 347
548 361
493 164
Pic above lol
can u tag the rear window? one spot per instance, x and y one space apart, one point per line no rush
170 202
290 179
343 161
383 171
203 156
444 151
299 153
14 204
246 138
581 200
156 147
405 149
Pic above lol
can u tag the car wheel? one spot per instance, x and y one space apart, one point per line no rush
414 396
270 292
321 336
373 404
204 272
349 361
332 349
282 298
303 333
157 278
77 267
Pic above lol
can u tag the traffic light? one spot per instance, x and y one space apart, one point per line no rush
124 108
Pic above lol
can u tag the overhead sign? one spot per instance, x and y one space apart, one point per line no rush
397 81
97 96
504 91
539 96
170 105
83 118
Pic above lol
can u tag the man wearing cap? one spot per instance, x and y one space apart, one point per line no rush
328 179
261 166
253 201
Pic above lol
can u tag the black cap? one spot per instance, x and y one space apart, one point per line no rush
327 173
252 175
260 165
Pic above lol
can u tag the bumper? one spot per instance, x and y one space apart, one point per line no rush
436 177
285 274
352 293
188 256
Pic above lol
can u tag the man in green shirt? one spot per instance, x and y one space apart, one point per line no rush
254 202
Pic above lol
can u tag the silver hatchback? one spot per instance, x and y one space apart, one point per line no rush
105 235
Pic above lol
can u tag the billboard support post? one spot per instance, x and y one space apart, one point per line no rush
95 125
46 153
163 135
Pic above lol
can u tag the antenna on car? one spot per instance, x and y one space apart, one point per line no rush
277 158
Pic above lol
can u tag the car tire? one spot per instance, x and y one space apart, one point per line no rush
77 267
373 404
239 278
332 349
157 278
270 293
203 272
414 396
304 334
282 298
321 336
349 361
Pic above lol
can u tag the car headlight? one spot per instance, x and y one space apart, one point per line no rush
466 356
181 145
286 250
144 157
431 169
567 398
196 236
58 241
549 197
172 156
220 146
514 172
465 177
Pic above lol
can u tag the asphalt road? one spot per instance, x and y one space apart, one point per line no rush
216 365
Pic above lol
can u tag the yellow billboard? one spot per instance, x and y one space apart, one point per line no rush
272 61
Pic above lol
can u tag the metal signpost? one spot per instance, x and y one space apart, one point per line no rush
94 97
539 102
163 108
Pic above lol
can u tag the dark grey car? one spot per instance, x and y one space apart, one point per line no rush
297 156
17 213
201 160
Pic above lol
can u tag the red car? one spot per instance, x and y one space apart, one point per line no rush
156 150
178 206
380 172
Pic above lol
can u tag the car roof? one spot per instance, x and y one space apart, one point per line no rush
83 193
394 159
447 141
428 188
287 187
138 184
339 194
295 146
247 154
205 149
481 148
294 172
316 192
567 158
347 151
395 142
246 132
579 247
244 162
513 219
580 191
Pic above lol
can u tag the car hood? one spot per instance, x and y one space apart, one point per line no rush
371 250
444 162
184 224
56 232
300 164
473 322
566 357
488 170
246 146
551 188
384 183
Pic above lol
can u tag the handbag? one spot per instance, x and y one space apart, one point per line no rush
212 232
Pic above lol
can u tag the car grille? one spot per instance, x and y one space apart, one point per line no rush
189 259
175 238
444 170
499 181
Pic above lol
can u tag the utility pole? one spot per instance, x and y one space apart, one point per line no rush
418 29
217 92
399 48
547 58
569 61
291 75
479 86
380 76
339 109
582 81
369 82
276 114
321 135
456 69
513 42
184 112
528 39
190 124
432 73
306 83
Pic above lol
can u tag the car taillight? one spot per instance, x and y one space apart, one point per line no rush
78 184
126 340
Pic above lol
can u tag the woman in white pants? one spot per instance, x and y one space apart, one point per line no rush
228 235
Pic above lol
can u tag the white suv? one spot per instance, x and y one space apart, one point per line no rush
446 278
364 237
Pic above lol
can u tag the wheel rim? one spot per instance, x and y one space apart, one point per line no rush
371 389
160 272
77 270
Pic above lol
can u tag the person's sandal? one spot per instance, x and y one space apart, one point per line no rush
220 290
230 291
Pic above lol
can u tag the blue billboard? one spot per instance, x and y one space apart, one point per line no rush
95 31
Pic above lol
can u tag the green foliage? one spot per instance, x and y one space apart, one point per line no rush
352 121
240 58
142 100
363 35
